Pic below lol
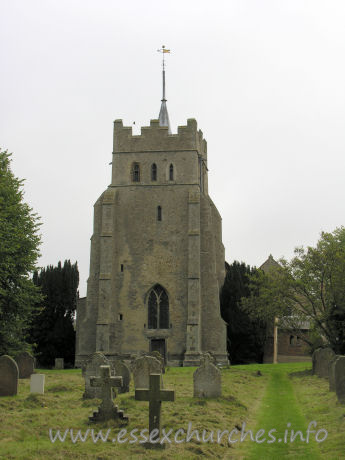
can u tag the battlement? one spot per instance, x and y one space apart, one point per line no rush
155 138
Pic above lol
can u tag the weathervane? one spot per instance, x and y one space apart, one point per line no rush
163 50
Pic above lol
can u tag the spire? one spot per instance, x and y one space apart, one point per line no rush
163 113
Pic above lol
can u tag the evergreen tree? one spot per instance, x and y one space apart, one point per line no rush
19 243
246 338
52 331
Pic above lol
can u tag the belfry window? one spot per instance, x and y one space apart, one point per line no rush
136 172
171 172
154 172
158 308
159 213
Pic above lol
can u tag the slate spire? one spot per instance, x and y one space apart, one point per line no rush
163 113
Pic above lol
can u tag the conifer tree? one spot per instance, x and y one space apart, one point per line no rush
53 328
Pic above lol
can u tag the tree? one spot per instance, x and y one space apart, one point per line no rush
52 330
19 251
310 288
246 338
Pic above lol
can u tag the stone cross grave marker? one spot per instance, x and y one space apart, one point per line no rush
9 375
155 395
91 368
107 410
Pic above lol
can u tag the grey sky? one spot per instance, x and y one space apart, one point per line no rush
264 79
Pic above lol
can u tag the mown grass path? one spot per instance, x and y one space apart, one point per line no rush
278 409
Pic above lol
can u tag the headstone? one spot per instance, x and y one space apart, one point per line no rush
122 370
339 373
331 373
207 380
9 375
314 360
107 410
91 368
323 357
37 383
59 363
155 395
142 368
160 358
26 364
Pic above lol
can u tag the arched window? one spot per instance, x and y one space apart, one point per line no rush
159 213
136 172
158 308
154 172
171 172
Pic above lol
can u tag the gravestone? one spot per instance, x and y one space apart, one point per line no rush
314 360
160 358
107 410
155 395
37 383
26 364
91 368
9 375
122 370
59 363
323 357
142 368
331 373
339 374
207 379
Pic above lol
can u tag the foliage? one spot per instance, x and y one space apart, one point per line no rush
19 243
246 338
309 288
52 330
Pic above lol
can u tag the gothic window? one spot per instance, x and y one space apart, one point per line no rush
154 172
159 213
171 172
136 172
158 308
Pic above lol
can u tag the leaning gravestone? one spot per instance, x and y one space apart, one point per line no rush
91 368
339 373
26 364
323 358
142 368
122 370
59 363
207 379
331 373
9 375
37 383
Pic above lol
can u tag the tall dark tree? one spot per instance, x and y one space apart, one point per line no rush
19 243
52 330
246 338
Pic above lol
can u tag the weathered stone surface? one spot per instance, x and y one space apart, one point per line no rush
314 360
26 364
107 410
37 383
323 357
91 368
160 358
59 363
122 370
9 375
331 373
339 373
207 379
142 368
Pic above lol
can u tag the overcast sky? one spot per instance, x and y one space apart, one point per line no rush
265 81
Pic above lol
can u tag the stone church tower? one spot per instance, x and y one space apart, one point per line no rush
157 258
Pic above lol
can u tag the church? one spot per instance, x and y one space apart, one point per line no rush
157 258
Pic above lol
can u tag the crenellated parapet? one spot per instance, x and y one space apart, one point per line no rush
155 137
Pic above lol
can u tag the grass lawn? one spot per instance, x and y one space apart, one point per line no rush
282 394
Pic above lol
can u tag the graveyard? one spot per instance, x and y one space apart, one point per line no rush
261 396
